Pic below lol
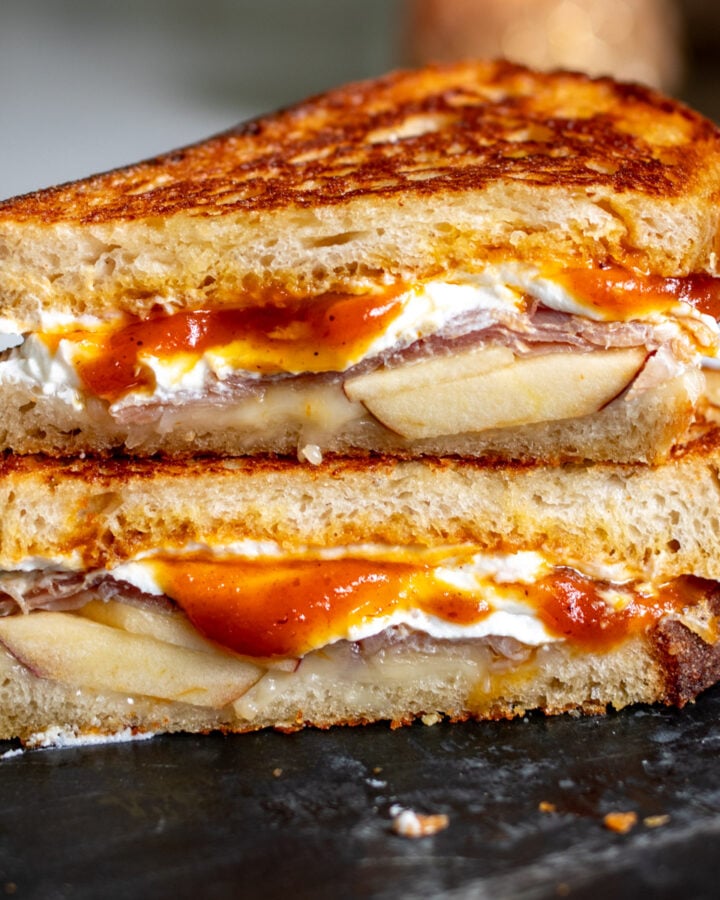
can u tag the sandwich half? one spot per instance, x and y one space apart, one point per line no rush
471 260
138 597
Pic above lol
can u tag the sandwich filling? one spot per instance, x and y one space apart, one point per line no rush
237 630
290 607
343 361
259 601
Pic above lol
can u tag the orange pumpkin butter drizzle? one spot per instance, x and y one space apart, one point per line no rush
570 606
622 294
261 608
286 608
324 335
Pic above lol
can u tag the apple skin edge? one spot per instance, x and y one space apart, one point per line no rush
48 644
481 389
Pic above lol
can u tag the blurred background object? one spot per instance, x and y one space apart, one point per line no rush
91 84
638 40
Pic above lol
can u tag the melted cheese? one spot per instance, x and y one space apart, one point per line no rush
266 606
181 355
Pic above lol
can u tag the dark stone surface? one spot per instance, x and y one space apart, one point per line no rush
192 816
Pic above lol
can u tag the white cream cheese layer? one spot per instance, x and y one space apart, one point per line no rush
489 576
499 291
47 373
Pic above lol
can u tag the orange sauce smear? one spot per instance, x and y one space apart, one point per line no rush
270 609
263 609
621 294
317 336
571 607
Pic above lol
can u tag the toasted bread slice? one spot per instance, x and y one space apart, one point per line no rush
402 178
658 522
307 282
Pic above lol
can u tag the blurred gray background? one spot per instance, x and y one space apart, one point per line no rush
87 86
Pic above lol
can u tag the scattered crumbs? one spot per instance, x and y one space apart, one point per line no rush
431 719
10 887
563 889
377 770
66 737
8 754
277 773
655 821
620 822
407 823
376 783
546 807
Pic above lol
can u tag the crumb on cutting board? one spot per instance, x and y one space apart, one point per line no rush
410 824
655 821
620 822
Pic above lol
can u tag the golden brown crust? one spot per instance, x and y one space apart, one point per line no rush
660 522
416 175
690 664
460 127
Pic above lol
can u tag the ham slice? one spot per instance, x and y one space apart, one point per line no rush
55 590
542 330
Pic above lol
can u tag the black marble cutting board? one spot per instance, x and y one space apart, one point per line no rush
309 814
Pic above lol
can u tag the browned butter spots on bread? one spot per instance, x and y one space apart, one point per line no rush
110 509
441 129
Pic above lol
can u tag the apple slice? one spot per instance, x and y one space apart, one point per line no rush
83 653
168 627
448 396
428 373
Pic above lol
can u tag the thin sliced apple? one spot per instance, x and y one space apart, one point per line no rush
169 627
533 389
77 651
428 373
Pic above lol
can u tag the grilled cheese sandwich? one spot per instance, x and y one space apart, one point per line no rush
300 294
481 302
244 593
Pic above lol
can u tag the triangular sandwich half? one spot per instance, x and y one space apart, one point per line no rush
473 259
240 594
